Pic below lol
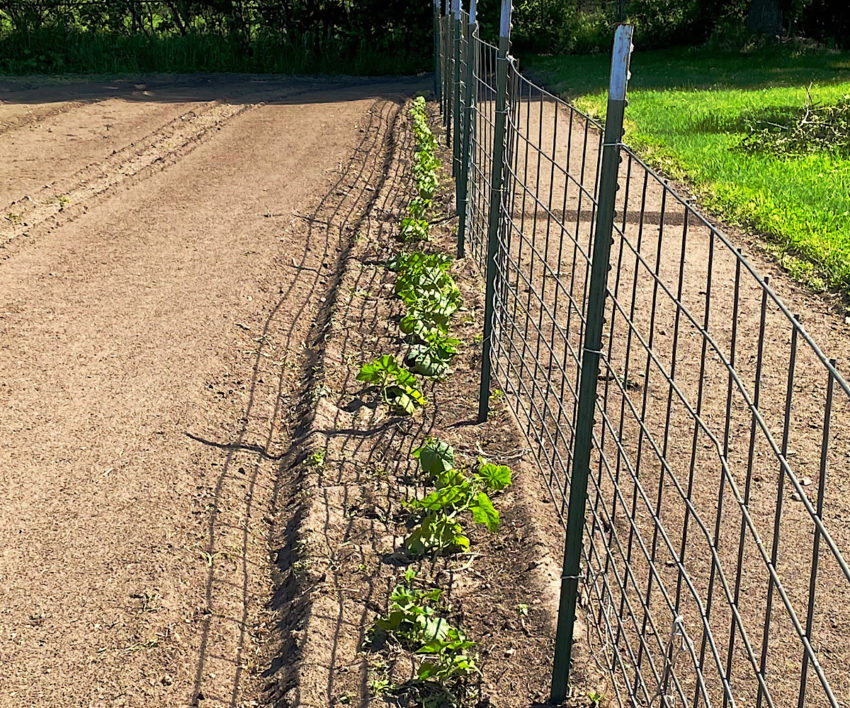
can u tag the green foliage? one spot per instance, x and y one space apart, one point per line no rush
808 130
417 260
415 620
418 207
365 37
428 288
317 459
412 616
398 386
440 529
413 229
435 457
428 361
432 297
425 166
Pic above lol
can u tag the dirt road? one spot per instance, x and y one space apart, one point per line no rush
164 245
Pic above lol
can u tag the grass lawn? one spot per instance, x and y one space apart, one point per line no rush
685 116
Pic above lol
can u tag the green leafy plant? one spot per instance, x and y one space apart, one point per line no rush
414 260
595 698
435 457
430 288
428 361
440 529
415 620
413 229
425 166
432 297
418 207
398 386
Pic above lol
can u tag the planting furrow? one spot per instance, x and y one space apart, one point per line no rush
157 345
39 113
409 567
64 200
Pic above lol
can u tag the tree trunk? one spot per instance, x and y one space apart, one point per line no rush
765 17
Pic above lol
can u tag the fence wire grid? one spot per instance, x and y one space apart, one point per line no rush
718 517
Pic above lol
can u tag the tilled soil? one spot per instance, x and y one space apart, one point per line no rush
160 274
188 281
342 522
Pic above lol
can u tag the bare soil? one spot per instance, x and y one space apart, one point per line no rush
190 276
153 326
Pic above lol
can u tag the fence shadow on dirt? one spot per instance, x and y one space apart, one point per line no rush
330 226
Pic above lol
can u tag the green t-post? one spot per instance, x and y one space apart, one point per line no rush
437 80
590 360
495 203
458 42
469 92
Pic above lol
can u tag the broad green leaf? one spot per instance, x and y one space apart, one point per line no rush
483 512
443 498
401 401
496 477
435 457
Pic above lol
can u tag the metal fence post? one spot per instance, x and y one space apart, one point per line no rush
437 80
590 360
466 130
458 42
448 71
445 48
496 178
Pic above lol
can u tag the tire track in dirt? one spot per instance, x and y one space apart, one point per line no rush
37 116
65 200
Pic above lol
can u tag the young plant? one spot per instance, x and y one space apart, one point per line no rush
432 297
435 457
398 386
440 529
415 260
428 361
413 229
413 620
418 207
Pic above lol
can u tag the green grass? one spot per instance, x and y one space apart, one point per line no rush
685 116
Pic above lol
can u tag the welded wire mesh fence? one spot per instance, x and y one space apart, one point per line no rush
717 525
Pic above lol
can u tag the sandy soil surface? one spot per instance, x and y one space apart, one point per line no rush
159 276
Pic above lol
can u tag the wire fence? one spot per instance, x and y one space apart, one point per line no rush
717 522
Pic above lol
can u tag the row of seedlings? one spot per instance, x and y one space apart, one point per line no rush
417 619
424 285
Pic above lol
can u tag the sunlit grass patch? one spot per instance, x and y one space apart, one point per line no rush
689 114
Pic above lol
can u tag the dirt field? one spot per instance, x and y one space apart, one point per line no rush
159 274
190 275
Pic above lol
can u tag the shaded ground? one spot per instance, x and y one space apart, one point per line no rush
158 278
